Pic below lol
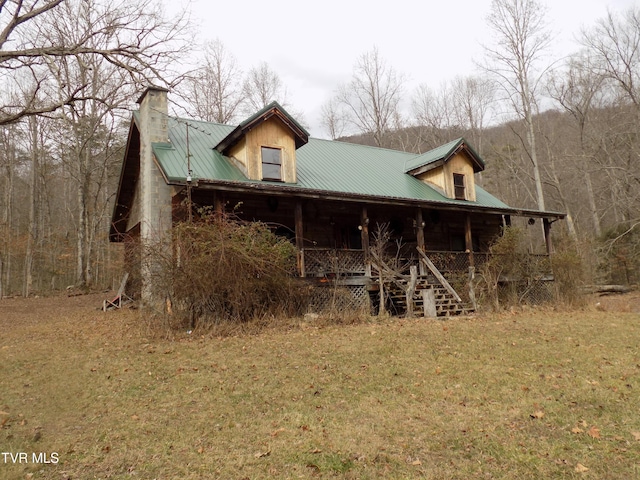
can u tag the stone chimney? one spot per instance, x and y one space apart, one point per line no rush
155 194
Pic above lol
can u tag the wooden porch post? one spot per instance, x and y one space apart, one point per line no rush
428 294
299 237
218 205
420 237
546 225
468 239
364 233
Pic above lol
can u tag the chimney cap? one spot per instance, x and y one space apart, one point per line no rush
151 88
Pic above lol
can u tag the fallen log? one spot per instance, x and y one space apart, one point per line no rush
606 289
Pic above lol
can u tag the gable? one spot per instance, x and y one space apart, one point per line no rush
443 177
264 146
272 134
128 184
449 168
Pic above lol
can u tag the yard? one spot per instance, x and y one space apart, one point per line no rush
536 393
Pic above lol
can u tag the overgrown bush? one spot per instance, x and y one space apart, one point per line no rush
568 275
222 269
512 276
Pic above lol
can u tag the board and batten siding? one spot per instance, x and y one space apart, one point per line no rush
274 134
442 177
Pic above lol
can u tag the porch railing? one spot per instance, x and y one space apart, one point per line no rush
319 262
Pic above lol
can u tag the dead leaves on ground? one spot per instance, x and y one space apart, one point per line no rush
4 418
581 468
594 432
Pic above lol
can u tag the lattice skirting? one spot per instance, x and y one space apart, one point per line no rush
536 292
328 297
539 292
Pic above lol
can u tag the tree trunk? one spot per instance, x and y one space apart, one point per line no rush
32 234
531 139
7 218
597 229
81 278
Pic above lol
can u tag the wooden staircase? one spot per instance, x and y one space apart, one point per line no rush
428 294
446 305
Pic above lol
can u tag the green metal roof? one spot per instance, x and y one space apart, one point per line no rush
323 167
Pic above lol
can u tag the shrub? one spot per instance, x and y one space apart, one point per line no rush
222 269
568 275
512 276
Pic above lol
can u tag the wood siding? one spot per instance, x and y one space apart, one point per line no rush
442 177
238 154
272 133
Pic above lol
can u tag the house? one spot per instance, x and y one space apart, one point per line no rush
326 196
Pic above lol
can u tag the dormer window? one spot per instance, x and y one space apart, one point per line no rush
264 146
449 169
458 186
271 164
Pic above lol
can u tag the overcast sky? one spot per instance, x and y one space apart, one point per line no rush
314 45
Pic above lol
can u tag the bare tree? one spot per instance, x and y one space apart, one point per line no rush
615 45
579 91
132 36
213 92
9 164
521 37
472 98
435 115
261 86
334 118
433 108
89 129
373 95
34 204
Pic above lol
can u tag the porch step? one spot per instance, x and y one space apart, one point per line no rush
446 304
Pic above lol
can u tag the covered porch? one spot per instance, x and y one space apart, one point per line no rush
437 247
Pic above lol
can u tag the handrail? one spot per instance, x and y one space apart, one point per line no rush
438 275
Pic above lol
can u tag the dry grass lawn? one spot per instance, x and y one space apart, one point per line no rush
534 394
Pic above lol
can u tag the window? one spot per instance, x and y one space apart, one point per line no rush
271 164
458 186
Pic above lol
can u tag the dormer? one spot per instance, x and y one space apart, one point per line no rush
264 145
449 169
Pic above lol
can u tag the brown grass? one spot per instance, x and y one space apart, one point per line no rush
535 394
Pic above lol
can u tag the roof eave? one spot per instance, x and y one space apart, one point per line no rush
293 190
114 232
457 146
301 136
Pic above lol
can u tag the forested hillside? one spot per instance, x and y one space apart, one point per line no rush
591 174
590 171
